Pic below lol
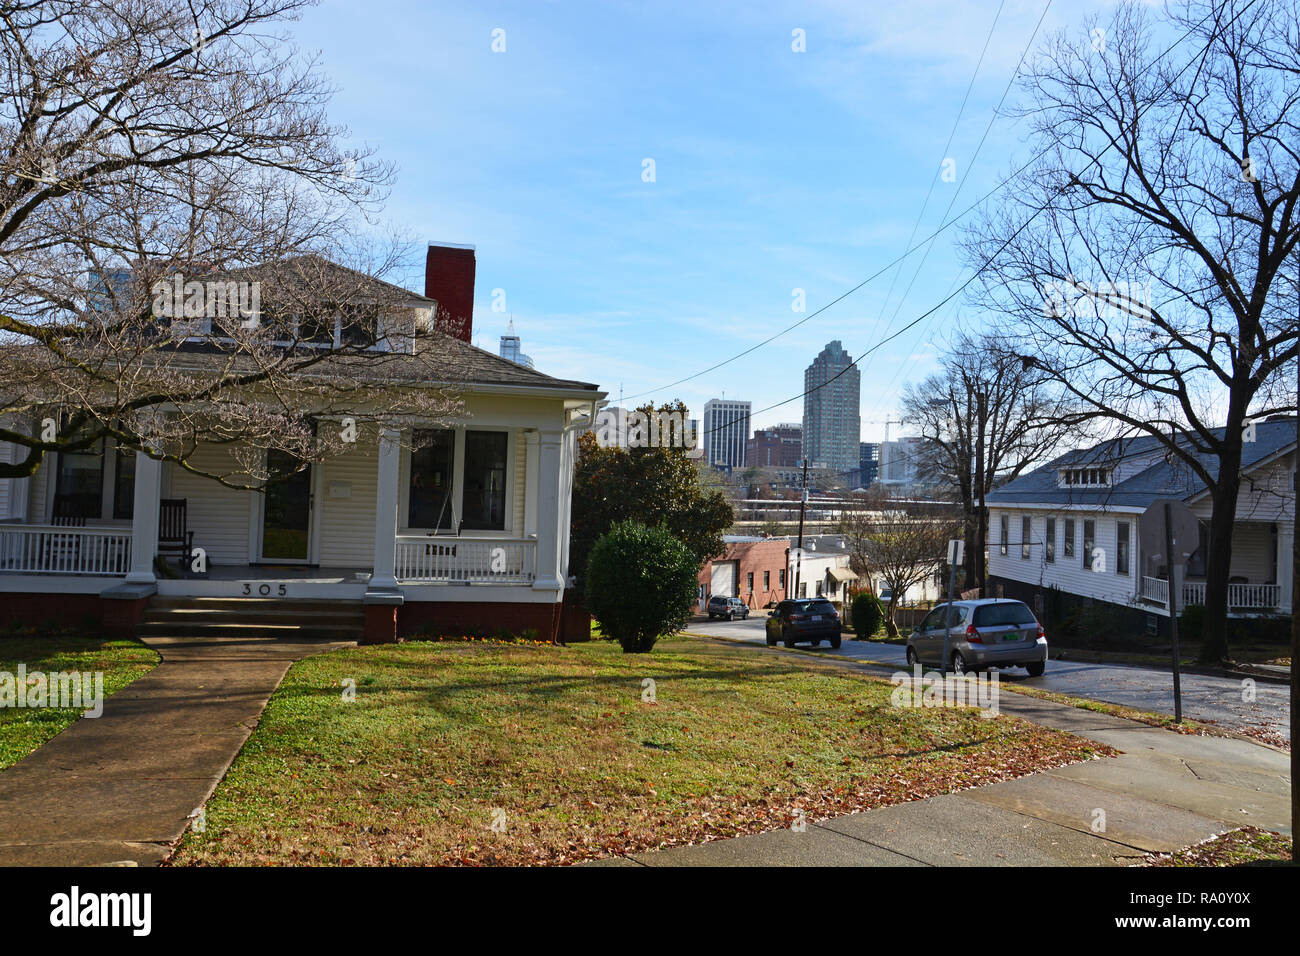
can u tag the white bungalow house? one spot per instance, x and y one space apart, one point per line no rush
468 528
1072 526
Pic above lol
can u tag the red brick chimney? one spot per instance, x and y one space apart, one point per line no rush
449 278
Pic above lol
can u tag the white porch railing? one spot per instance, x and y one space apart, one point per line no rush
51 549
1156 589
1242 597
447 560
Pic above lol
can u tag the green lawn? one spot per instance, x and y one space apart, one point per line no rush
24 729
557 747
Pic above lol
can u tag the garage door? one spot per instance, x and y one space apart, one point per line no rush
724 578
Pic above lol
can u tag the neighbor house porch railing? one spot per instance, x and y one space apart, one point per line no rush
1241 597
449 560
51 549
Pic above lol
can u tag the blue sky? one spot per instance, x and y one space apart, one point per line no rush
774 171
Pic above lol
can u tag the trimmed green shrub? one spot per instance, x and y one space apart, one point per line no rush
866 614
641 584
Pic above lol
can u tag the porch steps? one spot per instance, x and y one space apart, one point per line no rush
253 617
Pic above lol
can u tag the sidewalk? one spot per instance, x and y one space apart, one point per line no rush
119 789
1165 792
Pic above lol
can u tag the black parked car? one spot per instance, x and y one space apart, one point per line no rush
728 608
805 619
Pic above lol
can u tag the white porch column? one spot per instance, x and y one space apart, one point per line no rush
532 440
549 486
568 461
144 521
386 496
1285 567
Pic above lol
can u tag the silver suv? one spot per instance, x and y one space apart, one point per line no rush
977 635
727 608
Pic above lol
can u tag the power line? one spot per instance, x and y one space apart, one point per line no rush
978 147
1040 209
946 152
889 265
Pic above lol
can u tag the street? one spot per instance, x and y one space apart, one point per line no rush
1209 699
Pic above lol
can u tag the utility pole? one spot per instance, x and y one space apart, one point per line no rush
976 560
1175 593
803 507
1295 580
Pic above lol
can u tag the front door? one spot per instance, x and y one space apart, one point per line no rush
286 518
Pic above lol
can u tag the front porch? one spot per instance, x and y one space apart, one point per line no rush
1244 599
476 523
99 553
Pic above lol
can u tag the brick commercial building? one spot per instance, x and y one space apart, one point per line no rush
752 569
777 447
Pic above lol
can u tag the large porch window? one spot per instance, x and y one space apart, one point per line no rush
485 480
79 483
429 504
124 485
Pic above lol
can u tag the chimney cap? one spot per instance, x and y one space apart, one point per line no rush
433 243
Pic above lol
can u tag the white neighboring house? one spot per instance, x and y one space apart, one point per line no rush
823 568
1073 525
470 530
829 557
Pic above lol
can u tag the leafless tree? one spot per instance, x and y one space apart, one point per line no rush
1147 254
887 543
985 419
153 147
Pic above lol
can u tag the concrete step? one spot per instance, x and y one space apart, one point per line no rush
203 615
337 632
253 617
160 601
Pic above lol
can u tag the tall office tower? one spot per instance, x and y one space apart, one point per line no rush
832 420
726 428
510 348
868 462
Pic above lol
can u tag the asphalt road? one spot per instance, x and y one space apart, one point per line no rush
1217 699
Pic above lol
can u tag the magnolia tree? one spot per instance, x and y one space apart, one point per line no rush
175 210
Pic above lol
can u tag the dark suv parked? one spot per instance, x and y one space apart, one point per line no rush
805 619
728 608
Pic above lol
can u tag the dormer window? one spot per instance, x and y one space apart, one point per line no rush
1085 477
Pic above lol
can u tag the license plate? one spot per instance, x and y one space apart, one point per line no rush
816 617
1010 637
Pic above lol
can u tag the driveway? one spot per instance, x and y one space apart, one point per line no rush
1210 699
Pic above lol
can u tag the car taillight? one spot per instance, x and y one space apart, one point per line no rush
1041 632
973 636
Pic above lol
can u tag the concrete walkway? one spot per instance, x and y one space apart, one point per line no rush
1167 791
120 789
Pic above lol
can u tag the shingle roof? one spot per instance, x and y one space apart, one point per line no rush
438 359
1163 479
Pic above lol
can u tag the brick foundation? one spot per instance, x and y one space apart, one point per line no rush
460 617
114 617
122 617
381 624
575 621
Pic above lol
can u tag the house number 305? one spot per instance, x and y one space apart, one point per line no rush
265 590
